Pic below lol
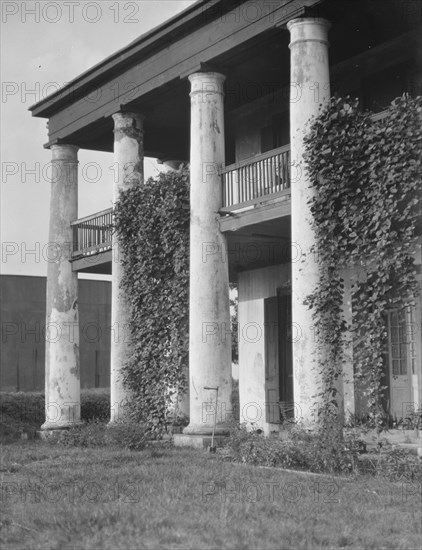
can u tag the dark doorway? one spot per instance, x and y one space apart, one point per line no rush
278 357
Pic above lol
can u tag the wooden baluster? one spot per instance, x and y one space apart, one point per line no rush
245 185
279 173
288 169
283 168
253 169
250 181
270 174
229 184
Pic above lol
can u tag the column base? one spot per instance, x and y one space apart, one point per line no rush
64 425
201 430
198 441
51 431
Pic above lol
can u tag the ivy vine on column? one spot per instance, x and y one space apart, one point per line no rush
366 174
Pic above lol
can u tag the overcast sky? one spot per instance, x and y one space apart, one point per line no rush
44 45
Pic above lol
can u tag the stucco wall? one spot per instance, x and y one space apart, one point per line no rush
254 287
23 300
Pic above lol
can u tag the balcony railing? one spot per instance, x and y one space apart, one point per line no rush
248 182
92 235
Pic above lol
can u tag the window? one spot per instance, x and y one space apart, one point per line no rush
401 345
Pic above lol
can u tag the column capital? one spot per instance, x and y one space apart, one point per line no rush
64 151
208 82
128 123
123 115
308 29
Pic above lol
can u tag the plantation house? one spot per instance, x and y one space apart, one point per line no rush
229 87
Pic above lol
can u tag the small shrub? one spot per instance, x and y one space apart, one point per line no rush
397 464
303 450
413 421
25 411
97 434
131 436
23 408
95 404
317 452
91 434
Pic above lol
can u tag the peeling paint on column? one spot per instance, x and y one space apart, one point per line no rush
62 380
309 67
210 356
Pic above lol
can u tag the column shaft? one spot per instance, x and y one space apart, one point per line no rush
209 315
62 381
128 158
310 85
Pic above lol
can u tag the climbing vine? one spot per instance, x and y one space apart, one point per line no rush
366 175
152 224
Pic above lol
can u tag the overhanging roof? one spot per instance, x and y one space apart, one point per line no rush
200 14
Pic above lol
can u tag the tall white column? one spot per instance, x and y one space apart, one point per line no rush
129 171
209 321
62 381
310 85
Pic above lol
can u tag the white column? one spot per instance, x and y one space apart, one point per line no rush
209 322
129 171
62 382
310 85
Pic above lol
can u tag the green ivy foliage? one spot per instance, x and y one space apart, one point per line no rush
152 225
366 174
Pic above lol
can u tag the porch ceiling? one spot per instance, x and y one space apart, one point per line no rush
253 69
254 56
259 245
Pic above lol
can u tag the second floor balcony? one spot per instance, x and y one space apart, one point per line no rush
92 242
253 190
255 180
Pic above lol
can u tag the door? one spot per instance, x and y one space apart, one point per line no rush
286 355
278 358
400 356
271 332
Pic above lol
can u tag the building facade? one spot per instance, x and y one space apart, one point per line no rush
24 333
229 88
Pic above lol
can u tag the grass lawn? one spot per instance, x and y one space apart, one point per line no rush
76 498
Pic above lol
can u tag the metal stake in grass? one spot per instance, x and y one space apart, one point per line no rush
213 447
